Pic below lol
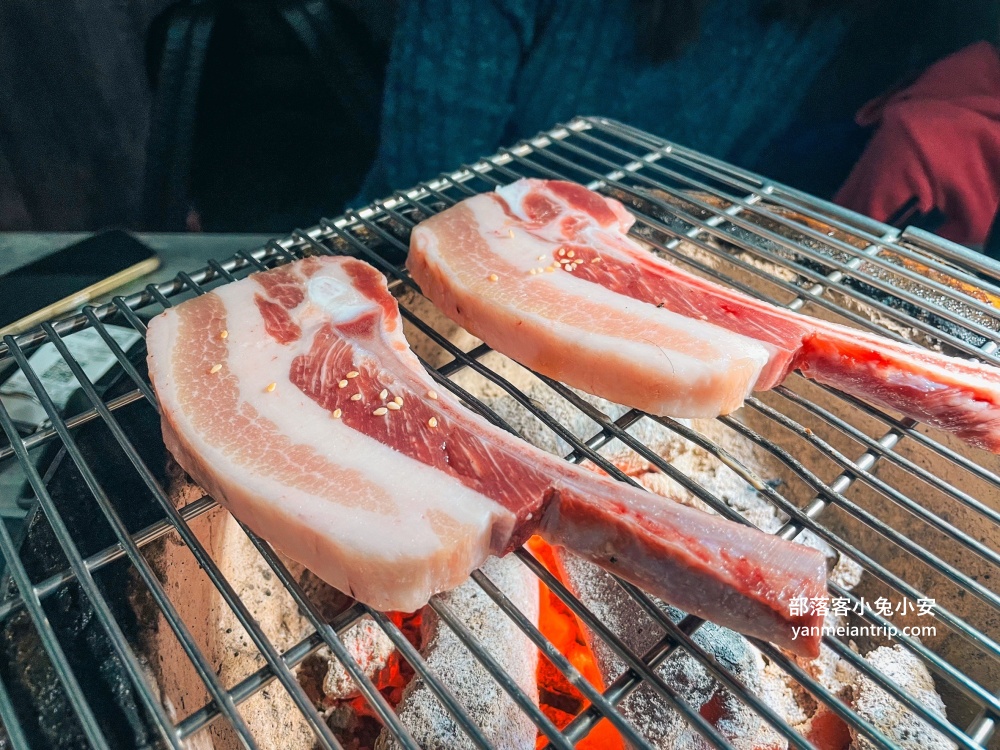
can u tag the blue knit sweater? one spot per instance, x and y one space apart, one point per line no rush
467 77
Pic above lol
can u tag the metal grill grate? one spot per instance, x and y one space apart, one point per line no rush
723 222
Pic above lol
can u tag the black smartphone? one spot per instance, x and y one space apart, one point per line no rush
71 277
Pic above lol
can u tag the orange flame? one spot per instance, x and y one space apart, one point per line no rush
558 699
393 678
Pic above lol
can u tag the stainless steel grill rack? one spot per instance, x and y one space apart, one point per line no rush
756 235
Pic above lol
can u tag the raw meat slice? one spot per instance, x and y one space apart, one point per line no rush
293 398
503 279
544 272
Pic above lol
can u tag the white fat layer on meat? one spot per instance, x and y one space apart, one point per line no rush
524 250
597 237
338 298
513 195
357 537
646 341
415 487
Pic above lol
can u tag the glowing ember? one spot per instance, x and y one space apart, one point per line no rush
559 700
363 727
827 731
357 727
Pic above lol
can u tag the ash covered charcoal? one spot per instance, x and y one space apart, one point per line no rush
645 708
897 722
665 727
503 723
35 691
920 312
369 646
271 714
737 722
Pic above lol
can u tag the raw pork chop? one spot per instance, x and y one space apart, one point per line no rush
544 272
293 398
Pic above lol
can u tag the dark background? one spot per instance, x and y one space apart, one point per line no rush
282 129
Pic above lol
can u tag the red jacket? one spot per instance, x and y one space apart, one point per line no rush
938 140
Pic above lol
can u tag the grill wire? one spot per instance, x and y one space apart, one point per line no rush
738 221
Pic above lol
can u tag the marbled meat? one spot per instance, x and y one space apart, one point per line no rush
293 398
545 272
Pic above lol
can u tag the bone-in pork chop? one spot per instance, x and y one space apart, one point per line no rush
544 272
293 398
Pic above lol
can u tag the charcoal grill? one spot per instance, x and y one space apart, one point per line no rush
759 236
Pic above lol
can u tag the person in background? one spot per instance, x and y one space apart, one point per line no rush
721 76
166 115
74 113
935 152
273 113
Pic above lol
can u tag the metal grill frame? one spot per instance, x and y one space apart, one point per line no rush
605 155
